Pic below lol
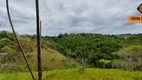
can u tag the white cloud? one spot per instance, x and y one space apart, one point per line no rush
73 16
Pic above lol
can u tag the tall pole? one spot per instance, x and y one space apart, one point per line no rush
38 41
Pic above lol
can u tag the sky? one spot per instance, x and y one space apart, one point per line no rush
72 16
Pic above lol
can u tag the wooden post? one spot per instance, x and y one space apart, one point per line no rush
38 42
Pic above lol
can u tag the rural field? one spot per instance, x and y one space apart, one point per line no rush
77 74
70 40
73 57
105 57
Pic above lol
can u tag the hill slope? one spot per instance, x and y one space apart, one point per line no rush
50 60
12 59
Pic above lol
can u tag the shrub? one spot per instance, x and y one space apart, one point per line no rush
133 55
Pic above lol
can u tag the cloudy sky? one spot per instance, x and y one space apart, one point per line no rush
72 16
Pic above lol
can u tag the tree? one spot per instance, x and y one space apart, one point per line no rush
133 55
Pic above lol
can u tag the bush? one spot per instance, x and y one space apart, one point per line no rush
103 63
7 50
120 64
133 55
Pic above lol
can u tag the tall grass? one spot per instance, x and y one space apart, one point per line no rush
78 74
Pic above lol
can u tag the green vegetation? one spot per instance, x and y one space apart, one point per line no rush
133 56
63 55
91 49
12 60
77 74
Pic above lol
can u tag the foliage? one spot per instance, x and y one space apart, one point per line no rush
121 64
7 50
74 74
11 58
133 55
87 49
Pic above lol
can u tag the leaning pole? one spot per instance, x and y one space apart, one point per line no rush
17 40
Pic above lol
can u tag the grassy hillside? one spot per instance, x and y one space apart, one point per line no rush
95 50
50 60
63 53
67 50
78 74
12 59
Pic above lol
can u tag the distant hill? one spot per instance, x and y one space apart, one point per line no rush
100 50
11 57
50 60
70 50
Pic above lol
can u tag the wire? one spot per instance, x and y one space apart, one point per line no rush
18 42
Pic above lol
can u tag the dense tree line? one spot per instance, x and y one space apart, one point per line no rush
91 50
96 50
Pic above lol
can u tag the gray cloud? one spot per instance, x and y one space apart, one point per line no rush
73 16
